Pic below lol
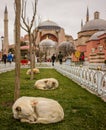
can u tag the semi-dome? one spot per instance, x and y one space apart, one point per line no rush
48 24
96 35
47 43
67 45
96 24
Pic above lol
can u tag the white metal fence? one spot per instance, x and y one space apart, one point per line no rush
93 80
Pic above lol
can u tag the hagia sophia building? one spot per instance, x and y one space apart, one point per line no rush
90 45
49 35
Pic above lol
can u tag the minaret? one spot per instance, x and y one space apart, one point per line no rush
87 15
81 24
6 43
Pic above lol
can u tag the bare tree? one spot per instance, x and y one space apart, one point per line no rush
17 49
28 28
34 36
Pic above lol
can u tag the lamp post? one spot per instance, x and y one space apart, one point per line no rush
2 38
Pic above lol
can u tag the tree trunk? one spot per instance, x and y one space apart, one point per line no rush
17 49
34 59
31 55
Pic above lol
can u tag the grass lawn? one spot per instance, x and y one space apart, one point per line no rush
83 110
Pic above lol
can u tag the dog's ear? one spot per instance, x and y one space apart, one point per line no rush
53 83
18 109
33 103
46 81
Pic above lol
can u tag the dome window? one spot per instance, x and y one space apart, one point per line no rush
96 15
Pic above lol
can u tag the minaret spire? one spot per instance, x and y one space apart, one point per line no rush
81 24
87 15
5 10
6 43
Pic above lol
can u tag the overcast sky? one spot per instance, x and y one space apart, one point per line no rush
66 13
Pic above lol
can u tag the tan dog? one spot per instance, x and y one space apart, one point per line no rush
46 84
37 110
35 71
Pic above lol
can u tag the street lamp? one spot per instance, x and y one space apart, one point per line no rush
2 38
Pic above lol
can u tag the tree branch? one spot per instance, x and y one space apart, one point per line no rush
23 28
33 18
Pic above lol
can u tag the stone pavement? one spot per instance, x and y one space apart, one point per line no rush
6 67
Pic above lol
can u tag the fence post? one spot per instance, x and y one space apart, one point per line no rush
99 78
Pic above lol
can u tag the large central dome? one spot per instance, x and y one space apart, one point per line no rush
96 24
48 25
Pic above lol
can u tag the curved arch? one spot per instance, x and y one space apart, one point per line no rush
103 82
95 75
49 36
97 81
84 74
91 74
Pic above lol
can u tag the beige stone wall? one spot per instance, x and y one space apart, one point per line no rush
61 36
38 37
84 36
86 33
69 38
82 40
49 32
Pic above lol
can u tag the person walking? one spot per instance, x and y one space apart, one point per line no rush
4 58
60 57
10 57
53 58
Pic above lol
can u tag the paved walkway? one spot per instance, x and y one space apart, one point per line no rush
6 67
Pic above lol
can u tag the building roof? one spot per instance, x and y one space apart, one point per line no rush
96 35
96 24
48 25
48 22
66 43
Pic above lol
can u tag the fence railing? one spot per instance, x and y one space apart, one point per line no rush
94 80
